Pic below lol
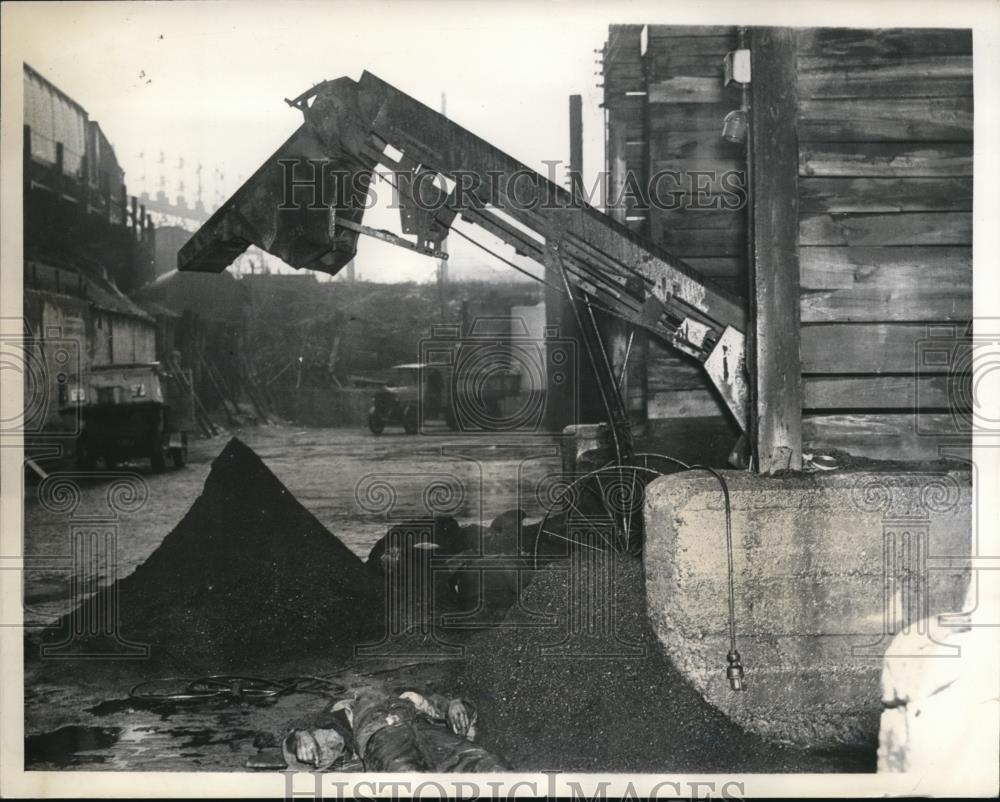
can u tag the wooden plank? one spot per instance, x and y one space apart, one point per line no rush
616 138
885 194
918 67
906 228
913 302
699 183
869 159
691 89
629 107
883 392
703 117
721 267
885 267
889 119
863 44
689 216
661 379
776 372
921 76
704 242
663 48
685 33
668 146
707 64
877 348
899 436
684 404
736 285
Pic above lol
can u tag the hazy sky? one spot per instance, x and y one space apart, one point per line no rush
206 81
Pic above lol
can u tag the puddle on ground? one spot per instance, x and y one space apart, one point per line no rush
64 747
143 747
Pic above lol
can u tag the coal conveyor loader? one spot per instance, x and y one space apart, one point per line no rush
306 203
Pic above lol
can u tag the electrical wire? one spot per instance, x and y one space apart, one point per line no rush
730 561
729 550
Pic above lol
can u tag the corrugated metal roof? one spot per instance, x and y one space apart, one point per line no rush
158 310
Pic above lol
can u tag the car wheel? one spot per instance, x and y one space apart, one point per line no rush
375 423
410 422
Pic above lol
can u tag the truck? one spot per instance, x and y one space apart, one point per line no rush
131 411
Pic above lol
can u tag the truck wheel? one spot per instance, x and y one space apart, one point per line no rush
86 458
178 455
410 422
157 457
375 423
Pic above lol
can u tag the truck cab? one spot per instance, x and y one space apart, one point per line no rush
131 411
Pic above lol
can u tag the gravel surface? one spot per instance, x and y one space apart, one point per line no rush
633 713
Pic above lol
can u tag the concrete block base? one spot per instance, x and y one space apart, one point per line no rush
828 568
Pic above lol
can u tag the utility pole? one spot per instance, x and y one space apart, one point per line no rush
443 263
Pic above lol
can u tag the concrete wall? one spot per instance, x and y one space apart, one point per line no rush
815 558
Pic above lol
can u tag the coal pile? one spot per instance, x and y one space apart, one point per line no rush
248 578
615 713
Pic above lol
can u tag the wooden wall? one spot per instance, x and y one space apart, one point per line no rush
885 233
884 126
665 104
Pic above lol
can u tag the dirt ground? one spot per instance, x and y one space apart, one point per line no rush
81 716
355 484
337 474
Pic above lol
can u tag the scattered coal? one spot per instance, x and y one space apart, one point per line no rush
248 577
614 713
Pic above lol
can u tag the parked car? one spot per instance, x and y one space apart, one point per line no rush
129 411
397 402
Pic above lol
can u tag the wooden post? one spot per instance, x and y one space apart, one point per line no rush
576 143
614 331
776 371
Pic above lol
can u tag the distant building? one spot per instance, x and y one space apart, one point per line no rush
169 240
86 243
